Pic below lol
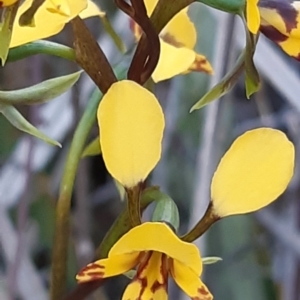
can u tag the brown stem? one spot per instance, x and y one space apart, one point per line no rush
208 219
133 204
141 69
90 56
164 11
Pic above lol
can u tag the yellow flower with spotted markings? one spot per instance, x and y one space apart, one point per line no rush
131 123
252 16
177 43
154 262
280 23
254 172
50 18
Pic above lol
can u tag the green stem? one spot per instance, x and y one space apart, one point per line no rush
61 241
208 219
40 47
123 224
118 229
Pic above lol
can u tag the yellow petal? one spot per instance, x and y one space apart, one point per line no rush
254 172
151 279
131 125
291 46
253 17
144 238
46 23
180 31
4 3
189 282
172 61
60 6
283 16
92 10
201 64
150 5
271 17
108 267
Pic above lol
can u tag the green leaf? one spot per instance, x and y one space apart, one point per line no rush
18 121
92 149
166 211
211 260
41 92
230 6
225 85
6 30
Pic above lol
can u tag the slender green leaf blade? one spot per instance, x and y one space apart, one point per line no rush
18 121
41 92
92 149
224 86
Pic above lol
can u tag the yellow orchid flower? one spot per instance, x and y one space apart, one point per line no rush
4 3
50 19
156 252
131 123
252 15
280 23
177 42
253 173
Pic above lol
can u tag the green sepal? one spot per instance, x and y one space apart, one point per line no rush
225 85
6 30
209 260
230 6
122 224
244 63
93 148
41 92
252 80
166 211
18 121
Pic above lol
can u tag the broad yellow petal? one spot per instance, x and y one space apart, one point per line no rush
253 17
131 125
172 61
47 23
189 282
180 31
4 3
108 267
145 237
254 172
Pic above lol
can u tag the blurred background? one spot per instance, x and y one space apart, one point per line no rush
260 251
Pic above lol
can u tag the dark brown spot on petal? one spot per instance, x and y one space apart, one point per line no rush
90 268
203 294
273 34
284 9
1 4
170 39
